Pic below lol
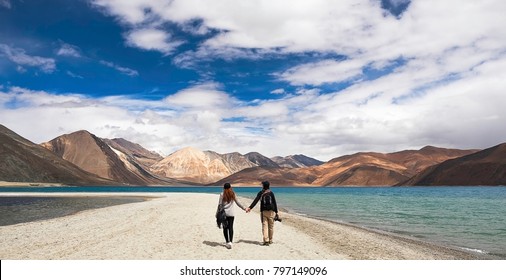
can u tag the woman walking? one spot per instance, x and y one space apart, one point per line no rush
227 200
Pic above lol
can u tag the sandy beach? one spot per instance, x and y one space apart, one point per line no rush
181 226
28 184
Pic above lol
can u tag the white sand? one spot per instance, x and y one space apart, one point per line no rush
182 226
28 184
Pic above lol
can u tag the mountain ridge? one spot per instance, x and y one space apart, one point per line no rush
486 167
141 155
360 169
295 161
94 155
24 161
81 157
200 166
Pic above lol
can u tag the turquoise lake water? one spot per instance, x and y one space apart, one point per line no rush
470 218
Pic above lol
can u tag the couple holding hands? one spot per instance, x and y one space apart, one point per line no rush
268 210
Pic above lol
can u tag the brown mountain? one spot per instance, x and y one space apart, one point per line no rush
417 161
296 161
378 169
24 161
200 167
134 150
361 169
94 155
277 176
486 167
260 160
354 170
362 175
235 162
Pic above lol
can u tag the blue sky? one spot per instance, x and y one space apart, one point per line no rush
322 78
90 56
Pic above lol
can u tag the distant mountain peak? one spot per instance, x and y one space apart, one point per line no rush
198 166
205 167
296 161
431 148
139 153
79 133
260 160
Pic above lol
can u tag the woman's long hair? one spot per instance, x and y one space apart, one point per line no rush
228 195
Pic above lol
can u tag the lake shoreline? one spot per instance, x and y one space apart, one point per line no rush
297 237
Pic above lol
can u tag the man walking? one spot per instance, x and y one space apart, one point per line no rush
268 210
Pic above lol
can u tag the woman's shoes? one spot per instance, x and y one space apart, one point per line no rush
229 245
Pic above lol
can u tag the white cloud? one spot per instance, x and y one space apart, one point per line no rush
191 59
19 97
278 91
20 69
294 26
68 50
152 39
6 4
22 59
124 70
271 111
73 75
129 12
206 96
327 71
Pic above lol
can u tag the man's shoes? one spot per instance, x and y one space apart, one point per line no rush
229 245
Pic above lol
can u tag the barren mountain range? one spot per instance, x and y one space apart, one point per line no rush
361 169
487 167
116 160
200 167
24 161
81 158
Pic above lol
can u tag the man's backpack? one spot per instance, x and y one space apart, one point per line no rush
267 201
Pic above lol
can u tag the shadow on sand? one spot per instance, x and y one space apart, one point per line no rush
250 242
214 244
222 244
